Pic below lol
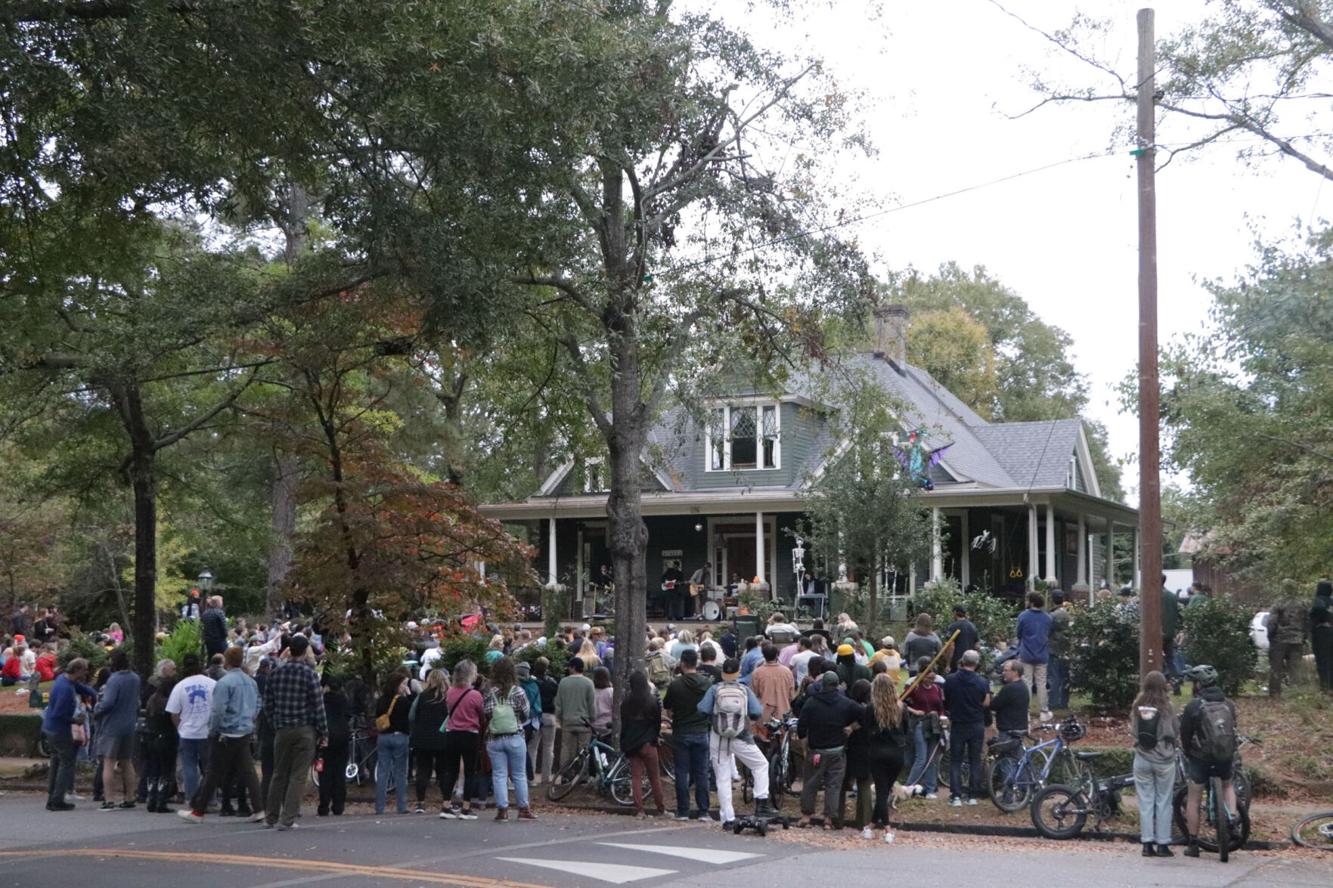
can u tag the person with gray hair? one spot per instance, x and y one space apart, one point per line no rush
966 695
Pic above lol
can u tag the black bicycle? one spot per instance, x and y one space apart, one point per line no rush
1221 829
1061 811
1315 831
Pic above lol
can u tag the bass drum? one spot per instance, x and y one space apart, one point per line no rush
712 610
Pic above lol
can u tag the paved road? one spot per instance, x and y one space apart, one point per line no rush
88 847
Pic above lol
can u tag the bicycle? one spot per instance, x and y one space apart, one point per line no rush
1315 831
362 760
1013 781
605 769
777 749
1060 811
1225 833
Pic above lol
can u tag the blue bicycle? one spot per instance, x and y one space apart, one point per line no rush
1017 773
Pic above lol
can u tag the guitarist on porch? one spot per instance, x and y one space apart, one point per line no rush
698 590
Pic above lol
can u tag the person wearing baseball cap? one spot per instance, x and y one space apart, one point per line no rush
824 717
888 654
850 671
730 707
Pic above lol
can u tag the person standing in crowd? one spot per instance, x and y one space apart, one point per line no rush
773 684
533 726
1287 623
1321 633
426 718
116 715
213 626
603 706
640 734
689 736
1170 629
232 725
544 753
708 662
753 656
507 708
825 715
294 706
966 695
1010 704
575 708
1153 723
159 746
395 707
333 779
800 661
60 724
191 709
921 641
925 704
857 776
1033 630
462 733
730 707
1057 666
1210 749
969 639
849 671
885 726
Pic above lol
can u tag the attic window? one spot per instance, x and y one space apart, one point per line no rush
593 482
744 436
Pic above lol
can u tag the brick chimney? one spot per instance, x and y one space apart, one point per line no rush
891 333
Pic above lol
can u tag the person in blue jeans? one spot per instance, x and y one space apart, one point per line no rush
966 695
506 706
392 746
689 735
1057 667
925 704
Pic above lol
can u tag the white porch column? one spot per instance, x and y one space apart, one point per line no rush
1109 554
936 547
1138 561
1034 569
966 549
760 552
1082 576
911 579
1050 544
550 555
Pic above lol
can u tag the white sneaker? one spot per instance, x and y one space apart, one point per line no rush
73 797
932 796
888 837
867 833
1046 715
972 802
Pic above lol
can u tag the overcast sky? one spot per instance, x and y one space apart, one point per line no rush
941 79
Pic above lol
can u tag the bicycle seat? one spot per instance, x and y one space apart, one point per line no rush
1087 755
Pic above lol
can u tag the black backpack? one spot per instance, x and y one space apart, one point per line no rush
1146 735
1217 732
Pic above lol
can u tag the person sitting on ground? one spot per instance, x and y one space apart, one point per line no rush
825 718
12 672
730 707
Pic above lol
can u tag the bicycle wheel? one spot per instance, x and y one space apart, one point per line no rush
1219 819
568 777
622 786
1315 831
777 781
1059 812
1007 783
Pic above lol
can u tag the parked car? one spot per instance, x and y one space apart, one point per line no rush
1259 631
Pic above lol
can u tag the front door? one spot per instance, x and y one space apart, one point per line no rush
740 557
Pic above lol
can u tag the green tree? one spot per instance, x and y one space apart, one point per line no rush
863 510
958 352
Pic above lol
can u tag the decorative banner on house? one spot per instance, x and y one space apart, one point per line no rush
917 458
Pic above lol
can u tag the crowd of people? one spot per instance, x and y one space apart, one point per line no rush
867 719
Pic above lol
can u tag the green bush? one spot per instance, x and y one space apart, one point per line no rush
186 638
1217 632
464 647
1105 654
555 653
994 617
81 644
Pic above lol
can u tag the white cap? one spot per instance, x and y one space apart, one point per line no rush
412 625
586 628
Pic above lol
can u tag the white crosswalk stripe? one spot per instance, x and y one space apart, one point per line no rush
700 855
616 873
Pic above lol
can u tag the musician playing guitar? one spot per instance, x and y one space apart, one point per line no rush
672 591
698 586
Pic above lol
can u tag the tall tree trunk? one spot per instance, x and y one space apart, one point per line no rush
142 479
628 534
282 501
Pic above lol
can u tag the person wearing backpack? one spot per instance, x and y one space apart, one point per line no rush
507 708
1208 737
658 665
1155 730
730 707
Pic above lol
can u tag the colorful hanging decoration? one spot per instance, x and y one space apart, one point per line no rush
917 458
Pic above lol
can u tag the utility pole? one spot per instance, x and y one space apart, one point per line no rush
1150 491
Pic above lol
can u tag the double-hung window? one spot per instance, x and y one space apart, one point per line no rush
744 436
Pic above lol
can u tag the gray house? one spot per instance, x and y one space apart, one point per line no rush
1011 501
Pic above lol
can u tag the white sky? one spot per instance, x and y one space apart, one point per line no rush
940 79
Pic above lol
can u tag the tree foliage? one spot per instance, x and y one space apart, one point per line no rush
1105 654
1248 410
1217 632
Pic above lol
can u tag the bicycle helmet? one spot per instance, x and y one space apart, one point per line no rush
1072 731
1204 674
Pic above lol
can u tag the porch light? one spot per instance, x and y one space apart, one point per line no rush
698 527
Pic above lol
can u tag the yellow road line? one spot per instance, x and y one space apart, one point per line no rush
349 869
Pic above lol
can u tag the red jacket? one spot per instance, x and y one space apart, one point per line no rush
46 668
13 668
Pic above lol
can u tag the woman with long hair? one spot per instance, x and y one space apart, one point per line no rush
1155 729
391 748
427 715
462 731
921 641
640 734
588 654
507 708
925 704
603 696
885 727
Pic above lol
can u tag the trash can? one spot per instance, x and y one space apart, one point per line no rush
746 626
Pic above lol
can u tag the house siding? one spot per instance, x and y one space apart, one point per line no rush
801 430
